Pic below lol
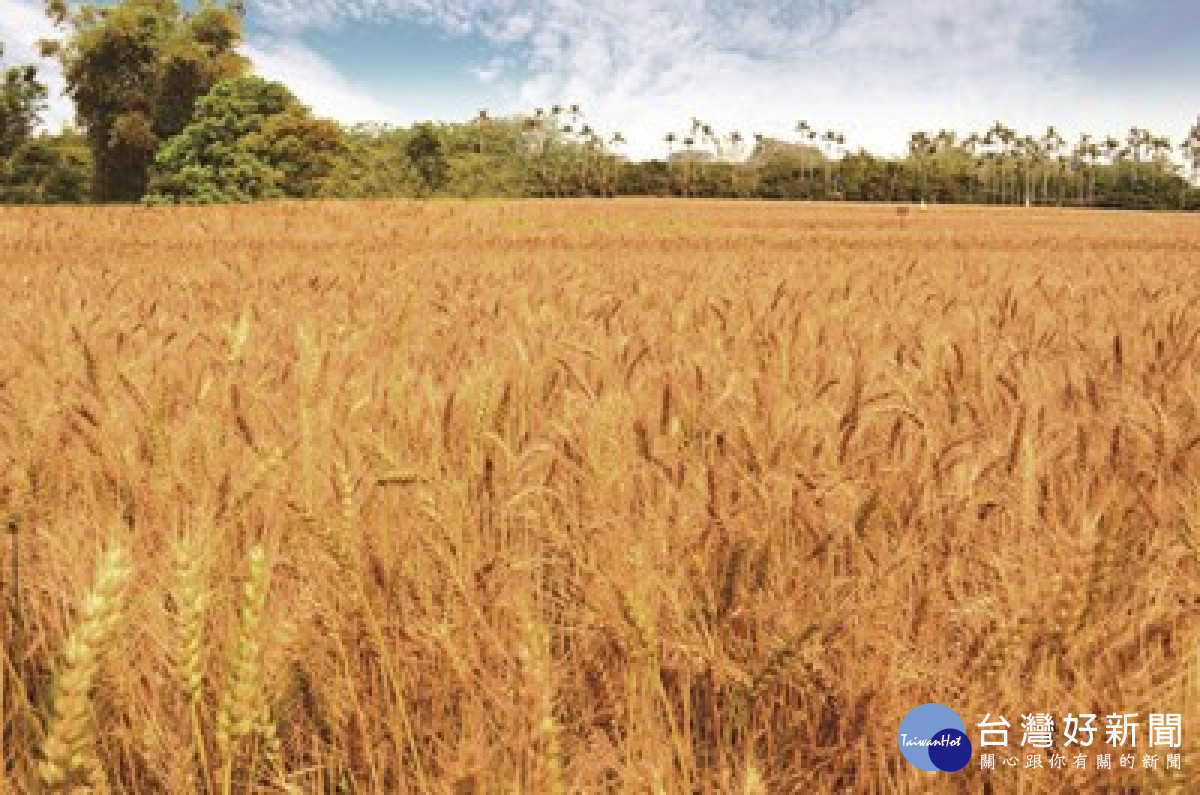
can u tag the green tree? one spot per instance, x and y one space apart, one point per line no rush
249 139
305 150
473 175
135 70
373 165
48 169
22 100
424 150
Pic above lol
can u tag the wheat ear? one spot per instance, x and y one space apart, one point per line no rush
70 758
240 713
192 597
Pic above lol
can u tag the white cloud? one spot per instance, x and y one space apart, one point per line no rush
489 72
315 81
872 68
22 24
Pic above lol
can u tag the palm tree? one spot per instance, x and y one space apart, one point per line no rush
807 137
1111 149
482 120
839 142
813 143
1010 145
802 130
689 173
1030 156
1114 156
1049 147
1000 139
592 150
755 160
827 141
734 159
919 145
671 139
1191 150
616 141
1160 149
706 137
1080 159
1133 150
972 146
989 143
1093 155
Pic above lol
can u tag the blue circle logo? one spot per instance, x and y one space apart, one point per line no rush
933 737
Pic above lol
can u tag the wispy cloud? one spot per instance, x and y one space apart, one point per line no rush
763 64
315 81
874 69
489 72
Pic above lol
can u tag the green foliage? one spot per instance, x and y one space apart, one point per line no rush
42 169
647 178
482 158
22 99
47 169
424 151
373 165
306 151
249 139
168 117
564 159
135 69
473 175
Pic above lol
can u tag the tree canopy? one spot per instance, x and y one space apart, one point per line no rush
249 138
135 69
47 169
22 100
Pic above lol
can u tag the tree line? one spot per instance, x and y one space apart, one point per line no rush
167 111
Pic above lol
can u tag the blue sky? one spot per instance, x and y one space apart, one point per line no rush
873 69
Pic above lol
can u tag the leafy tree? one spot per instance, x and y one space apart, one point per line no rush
48 169
373 165
22 99
481 158
474 175
646 178
41 169
135 70
424 151
304 150
249 139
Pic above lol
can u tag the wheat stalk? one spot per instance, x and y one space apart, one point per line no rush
192 599
70 755
242 700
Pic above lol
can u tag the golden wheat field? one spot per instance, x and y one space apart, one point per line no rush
590 496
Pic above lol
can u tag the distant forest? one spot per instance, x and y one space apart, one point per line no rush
167 111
